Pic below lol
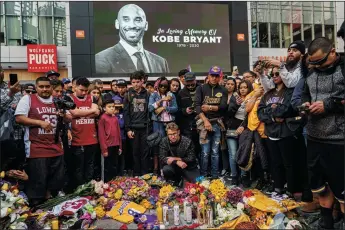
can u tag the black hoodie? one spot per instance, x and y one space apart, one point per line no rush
136 109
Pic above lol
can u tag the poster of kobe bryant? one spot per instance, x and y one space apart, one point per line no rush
160 37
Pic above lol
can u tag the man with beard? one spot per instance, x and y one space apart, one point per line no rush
186 104
129 54
45 158
291 71
322 96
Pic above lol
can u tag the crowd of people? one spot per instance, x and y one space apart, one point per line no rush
280 125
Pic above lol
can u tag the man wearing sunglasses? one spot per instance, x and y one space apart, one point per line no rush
210 104
186 102
322 97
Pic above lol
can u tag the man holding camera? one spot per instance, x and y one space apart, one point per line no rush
84 135
323 94
45 167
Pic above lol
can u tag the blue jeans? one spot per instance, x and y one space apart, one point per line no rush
232 149
211 146
159 127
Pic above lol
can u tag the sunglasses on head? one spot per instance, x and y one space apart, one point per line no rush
321 61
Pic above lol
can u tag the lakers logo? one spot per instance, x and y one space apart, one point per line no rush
215 69
219 94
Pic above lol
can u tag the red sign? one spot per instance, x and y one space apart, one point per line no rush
240 37
80 34
42 58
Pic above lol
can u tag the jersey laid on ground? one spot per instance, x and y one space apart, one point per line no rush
38 142
83 128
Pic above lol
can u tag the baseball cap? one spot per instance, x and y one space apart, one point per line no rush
121 82
299 45
66 80
29 87
215 70
52 72
118 101
190 76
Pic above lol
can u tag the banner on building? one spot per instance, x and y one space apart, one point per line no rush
41 58
160 37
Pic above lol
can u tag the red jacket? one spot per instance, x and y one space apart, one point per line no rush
109 133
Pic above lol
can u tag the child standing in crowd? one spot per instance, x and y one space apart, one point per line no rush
109 135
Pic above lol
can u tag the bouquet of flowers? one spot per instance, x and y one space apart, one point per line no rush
234 196
133 189
165 192
218 189
153 180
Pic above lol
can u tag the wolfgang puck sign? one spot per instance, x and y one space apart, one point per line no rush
41 58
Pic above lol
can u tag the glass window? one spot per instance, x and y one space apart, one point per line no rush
253 4
307 16
274 5
45 25
275 35
286 5
318 31
263 35
30 30
1 8
262 15
13 30
262 5
12 8
297 32
2 24
317 17
253 13
275 16
307 5
329 18
307 34
286 35
328 6
254 35
45 8
60 9
286 16
29 8
60 31
329 32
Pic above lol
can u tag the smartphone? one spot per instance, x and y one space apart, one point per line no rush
13 79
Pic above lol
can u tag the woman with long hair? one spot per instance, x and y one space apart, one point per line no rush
284 143
162 106
175 86
97 95
235 125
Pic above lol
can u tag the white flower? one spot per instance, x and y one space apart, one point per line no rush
105 186
240 206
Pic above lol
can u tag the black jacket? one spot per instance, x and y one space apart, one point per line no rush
284 110
229 119
136 109
184 100
211 95
184 150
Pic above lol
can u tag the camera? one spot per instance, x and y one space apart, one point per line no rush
303 108
64 103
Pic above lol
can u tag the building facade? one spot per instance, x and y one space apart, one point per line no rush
272 26
257 30
31 22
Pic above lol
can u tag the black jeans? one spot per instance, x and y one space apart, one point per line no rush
113 164
140 152
97 164
83 159
44 174
174 173
194 136
285 166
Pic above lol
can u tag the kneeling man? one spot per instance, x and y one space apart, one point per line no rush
177 156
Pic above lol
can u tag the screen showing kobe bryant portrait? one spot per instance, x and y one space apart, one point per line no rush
160 37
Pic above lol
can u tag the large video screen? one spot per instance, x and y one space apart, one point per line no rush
160 37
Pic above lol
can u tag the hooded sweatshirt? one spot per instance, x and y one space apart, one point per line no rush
327 127
136 109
